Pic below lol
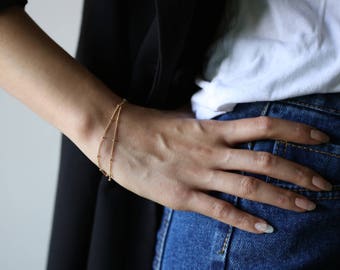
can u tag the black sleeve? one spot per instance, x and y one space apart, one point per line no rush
7 3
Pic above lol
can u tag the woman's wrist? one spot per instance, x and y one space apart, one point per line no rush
96 113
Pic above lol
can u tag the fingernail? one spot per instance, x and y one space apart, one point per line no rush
321 183
264 227
305 204
318 136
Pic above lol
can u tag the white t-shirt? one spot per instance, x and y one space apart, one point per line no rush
275 49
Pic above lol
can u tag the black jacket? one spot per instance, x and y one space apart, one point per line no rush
148 51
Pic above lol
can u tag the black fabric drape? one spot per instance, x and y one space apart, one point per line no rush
7 3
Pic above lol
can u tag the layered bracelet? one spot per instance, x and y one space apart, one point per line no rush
114 118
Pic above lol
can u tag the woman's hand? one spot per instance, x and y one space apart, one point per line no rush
175 161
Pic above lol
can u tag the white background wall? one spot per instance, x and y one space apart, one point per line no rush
29 155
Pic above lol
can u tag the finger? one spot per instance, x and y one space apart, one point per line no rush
256 190
270 165
225 212
263 127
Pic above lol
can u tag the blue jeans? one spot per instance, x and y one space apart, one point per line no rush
308 240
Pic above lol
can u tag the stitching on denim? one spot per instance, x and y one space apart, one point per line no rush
311 149
226 241
330 195
278 151
313 106
265 109
227 238
163 238
327 198
334 189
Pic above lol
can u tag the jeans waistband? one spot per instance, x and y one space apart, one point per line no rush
329 103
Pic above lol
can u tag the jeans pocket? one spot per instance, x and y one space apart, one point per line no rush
324 159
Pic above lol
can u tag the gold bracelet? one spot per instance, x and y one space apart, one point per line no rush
114 138
117 108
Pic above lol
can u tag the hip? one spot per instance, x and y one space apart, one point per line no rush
301 241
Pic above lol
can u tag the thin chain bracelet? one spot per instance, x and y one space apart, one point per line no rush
114 139
105 137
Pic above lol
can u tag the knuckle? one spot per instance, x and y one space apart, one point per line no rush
204 127
242 221
196 126
227 156
265 123
302 175
299 173
220 210
301 131
282 200
265 160
211 178
248 186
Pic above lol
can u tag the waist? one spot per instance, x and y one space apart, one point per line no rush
212 101
329 103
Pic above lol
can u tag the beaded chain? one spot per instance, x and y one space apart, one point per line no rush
116 112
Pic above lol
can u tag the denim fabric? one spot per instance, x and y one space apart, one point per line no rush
308 240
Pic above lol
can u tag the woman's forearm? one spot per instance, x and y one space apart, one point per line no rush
39 73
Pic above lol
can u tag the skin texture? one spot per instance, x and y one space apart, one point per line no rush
165 156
